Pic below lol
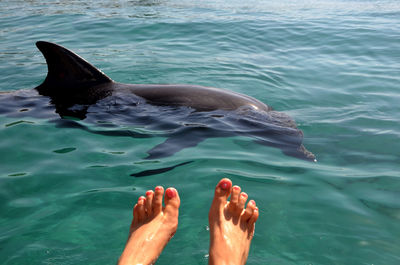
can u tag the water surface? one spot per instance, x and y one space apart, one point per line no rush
66 194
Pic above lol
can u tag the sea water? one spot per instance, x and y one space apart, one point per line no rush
66 195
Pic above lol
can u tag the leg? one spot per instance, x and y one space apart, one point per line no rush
231 226
152 227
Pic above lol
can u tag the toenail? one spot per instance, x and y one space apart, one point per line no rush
252 202
244 194
141 198
149 192
158 188
171 192
224 184
236 188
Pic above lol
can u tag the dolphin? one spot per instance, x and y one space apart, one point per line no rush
184 114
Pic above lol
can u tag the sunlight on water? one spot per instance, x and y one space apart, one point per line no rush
66 192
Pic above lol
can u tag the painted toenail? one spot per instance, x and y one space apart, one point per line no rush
141 198
224 185
252 202
171 192
149 192
158 188
236 188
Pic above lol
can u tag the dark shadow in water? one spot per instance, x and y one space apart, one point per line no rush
185 115
158 170
127 115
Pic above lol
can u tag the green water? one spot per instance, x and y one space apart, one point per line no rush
66 195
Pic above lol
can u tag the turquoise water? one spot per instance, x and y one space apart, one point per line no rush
66 195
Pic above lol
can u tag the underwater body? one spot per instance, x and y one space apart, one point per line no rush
77 89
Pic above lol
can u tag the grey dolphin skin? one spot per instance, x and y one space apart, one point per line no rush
185 114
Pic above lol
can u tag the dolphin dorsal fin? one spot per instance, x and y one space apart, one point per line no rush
67 71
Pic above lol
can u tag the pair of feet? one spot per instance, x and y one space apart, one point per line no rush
231 225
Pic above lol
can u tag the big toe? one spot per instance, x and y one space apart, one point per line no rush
172 201
222 192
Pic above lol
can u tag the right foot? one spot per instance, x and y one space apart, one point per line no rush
152 227
231 225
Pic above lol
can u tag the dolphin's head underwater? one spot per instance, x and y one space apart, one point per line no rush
185 114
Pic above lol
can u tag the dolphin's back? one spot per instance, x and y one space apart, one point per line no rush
197 97
72 80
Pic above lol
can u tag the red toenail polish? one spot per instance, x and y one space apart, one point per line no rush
224 185
235 187
149 192
252 202
171 193
141 198
158 188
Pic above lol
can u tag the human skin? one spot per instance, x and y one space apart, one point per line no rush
152 227
231 226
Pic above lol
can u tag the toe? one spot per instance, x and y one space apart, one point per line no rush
222 191
251 205
235 195
233 202
135 214
157 200
140 209
149 202
242 201
172 201
254 217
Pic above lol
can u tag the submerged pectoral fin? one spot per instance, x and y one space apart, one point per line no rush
187 137
289 148
300 152
173 145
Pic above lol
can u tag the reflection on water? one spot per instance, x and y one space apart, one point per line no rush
332 65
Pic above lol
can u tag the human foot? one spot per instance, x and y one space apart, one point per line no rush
231 226
152 226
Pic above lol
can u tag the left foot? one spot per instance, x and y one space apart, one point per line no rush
152 227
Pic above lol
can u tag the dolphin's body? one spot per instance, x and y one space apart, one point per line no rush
186 114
